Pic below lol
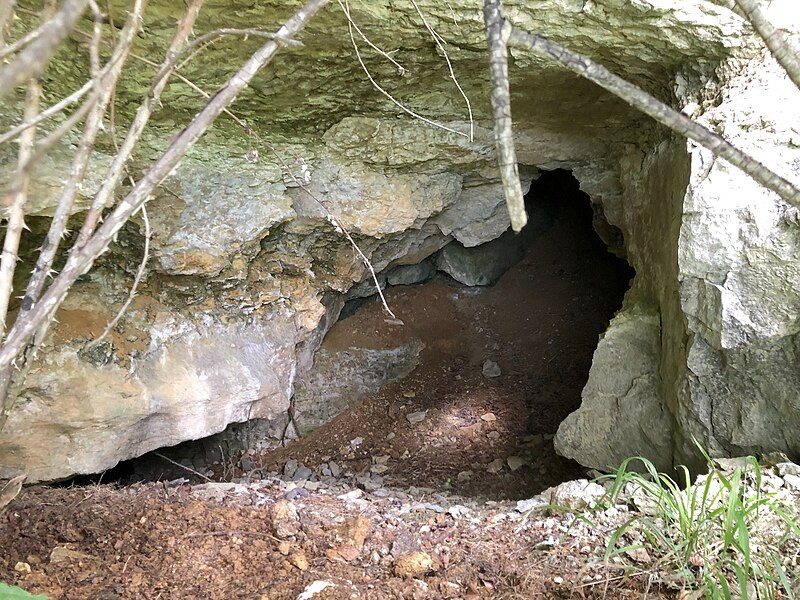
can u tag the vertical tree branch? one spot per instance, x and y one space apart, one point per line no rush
497 32
16 210
776 40
81 259
115 171
656 109
31 61
105 86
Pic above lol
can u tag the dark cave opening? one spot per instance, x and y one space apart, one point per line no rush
467 394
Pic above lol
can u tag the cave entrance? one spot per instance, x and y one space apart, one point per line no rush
468 392
466 395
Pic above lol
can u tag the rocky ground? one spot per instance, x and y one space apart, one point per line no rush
276 539
272 539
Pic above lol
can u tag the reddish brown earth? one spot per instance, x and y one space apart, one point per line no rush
155 541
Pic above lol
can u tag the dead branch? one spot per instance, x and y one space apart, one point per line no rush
104 86
775 39
31 61
47 113
497 33
16 210
345 6
661 112
80 259
439 41
136 281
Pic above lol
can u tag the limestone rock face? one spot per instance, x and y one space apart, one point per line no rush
621 414
250 268
740 276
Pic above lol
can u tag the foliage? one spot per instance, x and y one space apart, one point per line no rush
8 592
720 536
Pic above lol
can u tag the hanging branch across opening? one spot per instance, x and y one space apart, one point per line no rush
497 25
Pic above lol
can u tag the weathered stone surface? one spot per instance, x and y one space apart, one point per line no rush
484 264
410 274
342 377
740 277
621 413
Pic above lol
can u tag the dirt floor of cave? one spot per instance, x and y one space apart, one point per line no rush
540 323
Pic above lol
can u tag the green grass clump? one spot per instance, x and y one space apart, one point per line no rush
721 536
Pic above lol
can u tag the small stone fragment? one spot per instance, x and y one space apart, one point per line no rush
289 468
413 564
301 473
464 476
356 530
62 553
416 417
495 466
336 470
22 567
314 588
284 548
491 369
515 462
409 394
489 417
299 560
285 521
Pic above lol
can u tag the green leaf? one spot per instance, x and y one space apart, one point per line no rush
8 592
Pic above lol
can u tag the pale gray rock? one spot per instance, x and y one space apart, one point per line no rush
410 274
621 413
484 264
491 370
342 377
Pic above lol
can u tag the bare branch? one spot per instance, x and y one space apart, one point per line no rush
104 87
47 113
440 45
659 111
136 281
775 39
31 61
81 259
497 33
346 8
16 210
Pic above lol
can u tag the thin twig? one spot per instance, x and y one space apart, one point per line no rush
137 280
440 44
346 8
47 113
30 62
189 469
